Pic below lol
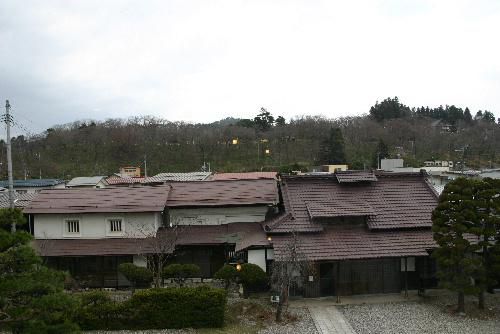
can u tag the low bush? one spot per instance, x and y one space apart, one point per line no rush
99 311
180 272
155 309
252 277
138 276
227 273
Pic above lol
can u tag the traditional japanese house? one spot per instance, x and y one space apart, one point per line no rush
363 232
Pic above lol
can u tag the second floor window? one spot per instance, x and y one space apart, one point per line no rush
115 225
73 226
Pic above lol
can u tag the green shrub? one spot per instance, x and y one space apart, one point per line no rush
193 307
180 272
99 311
154 309
138 276
252 277
227 273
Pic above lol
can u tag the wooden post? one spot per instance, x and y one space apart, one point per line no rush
337 283
406 277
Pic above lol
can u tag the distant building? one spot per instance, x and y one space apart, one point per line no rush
492 173
443 126
438 163
130 171
33 185
390 164
330 168
88 182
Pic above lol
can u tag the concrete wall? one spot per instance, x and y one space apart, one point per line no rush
217 216
96 225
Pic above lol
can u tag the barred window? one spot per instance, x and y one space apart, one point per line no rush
73 226
115 225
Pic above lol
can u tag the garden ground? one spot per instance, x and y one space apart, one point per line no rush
433 313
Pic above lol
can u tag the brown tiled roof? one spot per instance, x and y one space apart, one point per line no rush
112 199
89 247
357 242
242 235
355 176
223 193
348 208
176 177
243 176
398 200
117 180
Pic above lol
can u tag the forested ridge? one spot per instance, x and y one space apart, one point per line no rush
389 129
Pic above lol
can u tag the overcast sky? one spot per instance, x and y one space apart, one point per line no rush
201 61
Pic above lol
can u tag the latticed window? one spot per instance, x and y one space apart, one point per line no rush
73 226
115 225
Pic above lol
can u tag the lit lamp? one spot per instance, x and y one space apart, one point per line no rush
238 267
269 238
235 141
268 151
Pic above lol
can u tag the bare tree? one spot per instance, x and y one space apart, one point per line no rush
157 247
290 268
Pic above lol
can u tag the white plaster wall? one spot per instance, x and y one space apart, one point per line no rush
217 216
258 257
96 226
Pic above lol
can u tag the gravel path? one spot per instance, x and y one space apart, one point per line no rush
305 324
413 317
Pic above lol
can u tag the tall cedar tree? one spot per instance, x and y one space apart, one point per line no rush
453 222
332 149
31 297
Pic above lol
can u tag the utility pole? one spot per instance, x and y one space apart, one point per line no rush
9 161
145 166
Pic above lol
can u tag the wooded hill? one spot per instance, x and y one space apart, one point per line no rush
85 148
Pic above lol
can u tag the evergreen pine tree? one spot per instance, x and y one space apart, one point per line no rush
487 202
454 220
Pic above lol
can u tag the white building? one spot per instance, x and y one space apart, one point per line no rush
89 231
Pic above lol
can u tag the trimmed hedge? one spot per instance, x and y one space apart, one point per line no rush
227 273
252 277
138 276
197 307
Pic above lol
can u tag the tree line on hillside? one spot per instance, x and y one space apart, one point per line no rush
85 148
391 108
